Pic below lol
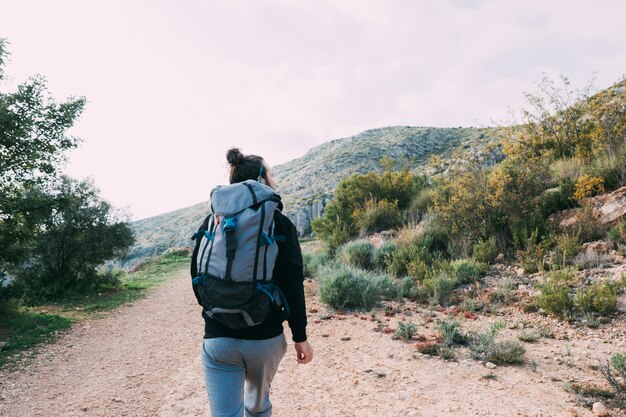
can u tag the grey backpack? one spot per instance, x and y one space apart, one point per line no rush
236 253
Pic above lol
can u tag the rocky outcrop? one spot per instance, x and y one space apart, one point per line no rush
609 209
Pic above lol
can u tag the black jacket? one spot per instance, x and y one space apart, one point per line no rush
288 275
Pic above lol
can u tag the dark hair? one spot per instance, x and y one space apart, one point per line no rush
244 167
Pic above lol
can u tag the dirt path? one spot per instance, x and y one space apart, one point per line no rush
142 360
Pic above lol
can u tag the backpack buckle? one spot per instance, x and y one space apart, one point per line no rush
229 224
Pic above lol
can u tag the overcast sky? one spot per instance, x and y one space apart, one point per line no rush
171 85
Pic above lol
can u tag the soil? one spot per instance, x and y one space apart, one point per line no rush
143 360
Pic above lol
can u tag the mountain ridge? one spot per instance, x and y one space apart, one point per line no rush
306 184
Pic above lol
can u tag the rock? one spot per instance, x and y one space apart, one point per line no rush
599 409
600 246
490 365
609 209
2 344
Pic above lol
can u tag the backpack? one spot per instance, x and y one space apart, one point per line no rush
236 252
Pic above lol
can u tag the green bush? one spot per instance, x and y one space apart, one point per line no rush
615 374
483 346
377 216
532 256
406 330
556 296
485 251
599 297
450 332
618 233
506 352
567 246
399 260
382 254
313 261
442 287
410 289
466 271
358 253
344 287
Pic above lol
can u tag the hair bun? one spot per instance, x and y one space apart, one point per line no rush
235 157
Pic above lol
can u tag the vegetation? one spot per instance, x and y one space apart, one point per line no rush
21 327
54 231
406 330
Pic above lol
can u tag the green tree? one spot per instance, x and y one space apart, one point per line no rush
33 139
360 194
79 234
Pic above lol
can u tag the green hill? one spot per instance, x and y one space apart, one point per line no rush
307 183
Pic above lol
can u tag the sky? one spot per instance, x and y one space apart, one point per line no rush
173 84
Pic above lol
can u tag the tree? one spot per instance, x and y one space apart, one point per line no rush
363 194
33 139
79 234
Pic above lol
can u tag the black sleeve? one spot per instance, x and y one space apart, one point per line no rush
194 258
289 275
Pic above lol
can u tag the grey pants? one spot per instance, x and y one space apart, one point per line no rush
228 363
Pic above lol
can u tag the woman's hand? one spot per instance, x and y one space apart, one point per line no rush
304 352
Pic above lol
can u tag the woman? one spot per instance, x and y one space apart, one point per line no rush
252 354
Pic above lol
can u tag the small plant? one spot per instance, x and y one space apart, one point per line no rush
358 253
567 246
507 351
528 337
472 305
406 330
591 259
446 353
466 271
483 346
442 289
428 348
485 251
617 367
532 257
618 233
450 332
556 295
503 293
589 228
599 297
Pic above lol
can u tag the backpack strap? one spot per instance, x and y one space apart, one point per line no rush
231 244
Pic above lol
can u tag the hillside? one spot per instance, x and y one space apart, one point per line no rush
306 184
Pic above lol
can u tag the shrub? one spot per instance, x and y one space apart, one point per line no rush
343 287
466 271
528 337
485 251
382 254
450 332
358 253
589 228
406 330
615 373
532 257
481 343
591 259
587 186
442 287
599 297
312 262
503 292
376 216
618 233
567 246
411 290
398 261
507 351
556 295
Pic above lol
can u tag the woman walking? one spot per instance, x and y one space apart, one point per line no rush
246 352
